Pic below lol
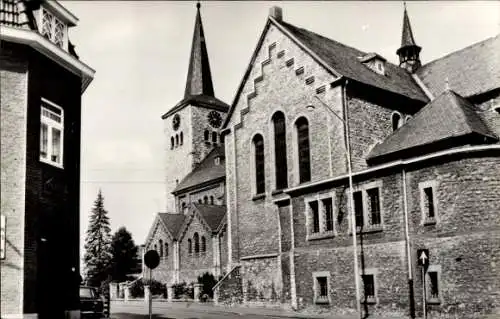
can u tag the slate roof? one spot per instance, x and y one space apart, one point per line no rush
173 222
407 39
205 172
345 60
213 214
470 71
210 102
447 116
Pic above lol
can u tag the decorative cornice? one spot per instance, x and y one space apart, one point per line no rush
49 49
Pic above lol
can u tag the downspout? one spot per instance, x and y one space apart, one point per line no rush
408 246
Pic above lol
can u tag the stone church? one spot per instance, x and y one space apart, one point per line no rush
323 142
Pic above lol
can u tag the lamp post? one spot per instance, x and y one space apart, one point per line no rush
351 197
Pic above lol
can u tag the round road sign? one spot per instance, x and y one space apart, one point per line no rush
151 259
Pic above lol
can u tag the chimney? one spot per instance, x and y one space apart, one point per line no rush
276 13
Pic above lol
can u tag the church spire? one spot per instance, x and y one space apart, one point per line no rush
199 77
409 52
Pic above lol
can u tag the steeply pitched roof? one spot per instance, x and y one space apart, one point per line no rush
447 116
407 39
470 71
213 214
345 60
173 222
205 172
199 87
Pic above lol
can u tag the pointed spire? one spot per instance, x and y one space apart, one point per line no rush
409 52
199 77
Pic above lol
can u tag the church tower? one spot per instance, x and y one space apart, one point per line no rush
192 126
409 52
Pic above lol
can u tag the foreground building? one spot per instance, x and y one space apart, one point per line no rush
42 80
425 159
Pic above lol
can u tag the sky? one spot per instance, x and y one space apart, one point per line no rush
140 51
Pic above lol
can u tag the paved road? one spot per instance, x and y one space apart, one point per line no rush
167 311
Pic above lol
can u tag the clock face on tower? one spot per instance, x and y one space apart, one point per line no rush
214 119
176 121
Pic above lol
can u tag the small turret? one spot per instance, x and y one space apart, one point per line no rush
409 52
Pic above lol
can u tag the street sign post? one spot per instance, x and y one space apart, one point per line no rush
423 261
151 259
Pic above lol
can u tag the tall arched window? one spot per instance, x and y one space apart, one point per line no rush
166 249
200 201
211 200
396 120
160 243
207 135
156 247
302 127
190 246
258 143
214 137
203 244
205 199
280 150
196 240
176 140
172 142
182 138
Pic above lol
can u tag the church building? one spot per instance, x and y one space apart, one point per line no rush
337 181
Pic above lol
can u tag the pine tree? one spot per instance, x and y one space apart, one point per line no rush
124 254
97 256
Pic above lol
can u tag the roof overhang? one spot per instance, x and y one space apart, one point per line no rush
61 12
50 50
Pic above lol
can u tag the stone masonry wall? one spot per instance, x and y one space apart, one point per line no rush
165 270
13 117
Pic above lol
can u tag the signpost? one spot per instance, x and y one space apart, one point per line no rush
151 259
423 261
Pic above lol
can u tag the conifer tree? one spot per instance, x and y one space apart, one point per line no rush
97 256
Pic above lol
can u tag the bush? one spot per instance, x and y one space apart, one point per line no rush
208 281
156 288
183 291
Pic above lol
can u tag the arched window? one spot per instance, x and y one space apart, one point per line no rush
396 121
172 142
211 200
196 240
156 247
207 135
166 249
303 150
182 138
176 140
200 201
203 244
258 143
190 246
214 137
205 199
280 150
183 205
160 243
408 117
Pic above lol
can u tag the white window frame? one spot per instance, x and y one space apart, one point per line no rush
323 233
437 270
51 124
425 220
317 299
55 17
371 272
363 188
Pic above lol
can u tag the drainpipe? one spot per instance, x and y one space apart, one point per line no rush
408 246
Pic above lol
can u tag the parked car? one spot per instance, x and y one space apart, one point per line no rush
91 304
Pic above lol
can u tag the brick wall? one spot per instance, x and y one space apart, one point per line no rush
13 117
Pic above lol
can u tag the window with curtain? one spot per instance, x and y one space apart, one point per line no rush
258 143
303 150
280 150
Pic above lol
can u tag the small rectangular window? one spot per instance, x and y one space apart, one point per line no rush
433 284
429 202
358 208
313 206
374 201
321 293
328 209
369 287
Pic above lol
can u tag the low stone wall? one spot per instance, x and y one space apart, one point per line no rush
229 290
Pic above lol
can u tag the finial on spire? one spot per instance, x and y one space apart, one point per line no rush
404 4
198 5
